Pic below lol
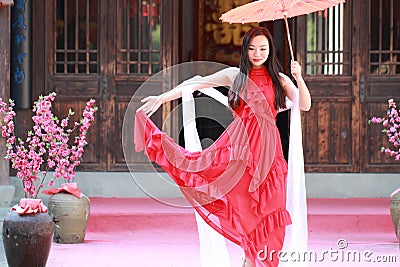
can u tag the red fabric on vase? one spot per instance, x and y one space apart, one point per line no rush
29 206
70 188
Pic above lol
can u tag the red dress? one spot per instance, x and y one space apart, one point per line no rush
237 184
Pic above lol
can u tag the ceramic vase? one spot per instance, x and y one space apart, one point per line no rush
398 234
395 209
70 214
27 239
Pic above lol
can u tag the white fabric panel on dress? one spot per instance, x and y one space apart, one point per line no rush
213 250
296 236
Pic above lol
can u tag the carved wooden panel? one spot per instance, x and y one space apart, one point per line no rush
92 155
328 135
375 139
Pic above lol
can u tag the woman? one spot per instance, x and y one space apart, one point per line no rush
237 184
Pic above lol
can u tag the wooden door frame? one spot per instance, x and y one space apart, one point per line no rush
355 71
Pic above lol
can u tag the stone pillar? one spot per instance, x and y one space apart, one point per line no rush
6 190
21 55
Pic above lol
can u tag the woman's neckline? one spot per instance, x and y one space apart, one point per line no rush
259 71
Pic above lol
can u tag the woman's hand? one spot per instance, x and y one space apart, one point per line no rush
296 70
304 93
151 104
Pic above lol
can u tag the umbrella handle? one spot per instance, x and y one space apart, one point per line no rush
288 36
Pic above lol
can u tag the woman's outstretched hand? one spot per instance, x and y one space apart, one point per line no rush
151 104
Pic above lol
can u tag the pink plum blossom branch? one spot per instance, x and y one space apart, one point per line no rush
391 127
46 146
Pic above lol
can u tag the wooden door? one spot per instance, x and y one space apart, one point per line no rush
105 50
379 78
142 41
341 49
330 128
76 56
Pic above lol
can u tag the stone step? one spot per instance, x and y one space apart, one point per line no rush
339 216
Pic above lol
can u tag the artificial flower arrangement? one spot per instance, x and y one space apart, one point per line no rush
47 147
391 127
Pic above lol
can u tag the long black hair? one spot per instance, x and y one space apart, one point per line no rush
272 64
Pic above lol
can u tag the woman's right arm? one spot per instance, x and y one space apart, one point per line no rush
223 77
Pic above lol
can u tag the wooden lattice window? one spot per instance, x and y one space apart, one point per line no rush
76 37
138 46
328 42
385 37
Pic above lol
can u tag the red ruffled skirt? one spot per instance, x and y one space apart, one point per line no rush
237 184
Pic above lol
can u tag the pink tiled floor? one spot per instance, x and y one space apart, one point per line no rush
145 232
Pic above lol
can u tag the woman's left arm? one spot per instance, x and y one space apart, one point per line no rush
290 88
